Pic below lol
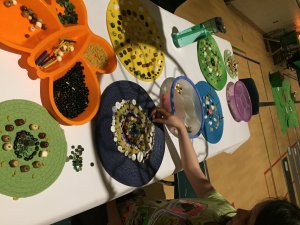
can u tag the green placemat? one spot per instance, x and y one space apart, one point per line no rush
285 106
211 63
28 144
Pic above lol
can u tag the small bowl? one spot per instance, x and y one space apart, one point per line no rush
180 97
92 83
239 101
111 57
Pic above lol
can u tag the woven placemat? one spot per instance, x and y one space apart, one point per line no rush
18 184
211 63
136 39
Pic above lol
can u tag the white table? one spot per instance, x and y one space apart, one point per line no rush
75 192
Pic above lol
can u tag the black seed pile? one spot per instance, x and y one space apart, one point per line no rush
70 92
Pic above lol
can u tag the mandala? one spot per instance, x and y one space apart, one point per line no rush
133 131
213 116
211 63
136 39
33 149
231 64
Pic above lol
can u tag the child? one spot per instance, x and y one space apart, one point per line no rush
209 209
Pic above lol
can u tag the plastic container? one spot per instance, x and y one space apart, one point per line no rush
239 101
180 96
16 26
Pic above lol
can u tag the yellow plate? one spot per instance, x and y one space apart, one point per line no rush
136 39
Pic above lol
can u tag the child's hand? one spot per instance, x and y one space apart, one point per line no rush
160 115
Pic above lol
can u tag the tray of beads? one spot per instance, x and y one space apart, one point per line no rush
54 37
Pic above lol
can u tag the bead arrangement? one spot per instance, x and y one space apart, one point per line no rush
33 18
132 129
25 146
76 157
71 93
231 64
47 59
69 16
96 56
37 23
136 39
211 63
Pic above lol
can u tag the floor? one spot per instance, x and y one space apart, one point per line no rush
253 172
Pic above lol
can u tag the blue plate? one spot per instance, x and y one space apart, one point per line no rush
212 109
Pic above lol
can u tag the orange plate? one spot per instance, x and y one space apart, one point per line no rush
91 82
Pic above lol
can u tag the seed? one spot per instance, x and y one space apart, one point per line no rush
14 163
34 126
25 168
36 164
44 144
5 138
42 135
19 122
9 127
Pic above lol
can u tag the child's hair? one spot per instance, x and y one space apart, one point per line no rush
278 212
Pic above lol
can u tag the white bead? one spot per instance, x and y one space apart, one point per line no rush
118 105
120 149
38 24
133 101
133 157
115 139
114 109
126 153
59 58
43 154
113 129
140 156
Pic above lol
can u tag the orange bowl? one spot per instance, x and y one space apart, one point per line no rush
76 33
111 64
91 82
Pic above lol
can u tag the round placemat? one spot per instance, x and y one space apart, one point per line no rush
231 64
136 39
211 63
38 145
213 116
122 168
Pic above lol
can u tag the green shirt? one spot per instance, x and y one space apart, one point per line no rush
197 211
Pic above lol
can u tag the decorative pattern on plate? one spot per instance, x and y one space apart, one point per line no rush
136 39
133 131
133 98
231 64
33 149
213 116
211 63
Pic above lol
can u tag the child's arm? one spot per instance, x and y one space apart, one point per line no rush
113 213
189 159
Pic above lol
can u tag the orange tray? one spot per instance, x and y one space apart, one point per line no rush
16 27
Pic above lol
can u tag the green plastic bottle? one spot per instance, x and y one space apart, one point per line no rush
198 32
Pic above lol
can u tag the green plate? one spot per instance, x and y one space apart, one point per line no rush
211 63
18 184
231 64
